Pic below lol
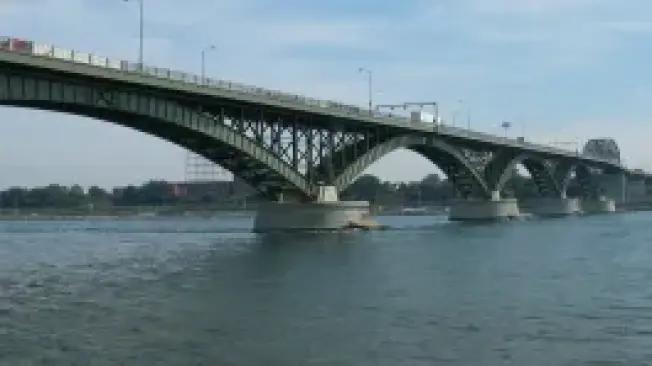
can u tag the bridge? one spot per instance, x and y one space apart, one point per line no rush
299 152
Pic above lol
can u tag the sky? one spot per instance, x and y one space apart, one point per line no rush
562 71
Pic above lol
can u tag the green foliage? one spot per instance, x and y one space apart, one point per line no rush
44 197
520 187
154 193
431 190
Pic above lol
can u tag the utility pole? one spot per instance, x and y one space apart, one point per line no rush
203 62
457 112
506 126
370 76
142 33
468 119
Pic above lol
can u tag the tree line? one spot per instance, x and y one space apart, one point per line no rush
432 190
154 193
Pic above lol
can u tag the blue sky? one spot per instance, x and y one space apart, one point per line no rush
560 70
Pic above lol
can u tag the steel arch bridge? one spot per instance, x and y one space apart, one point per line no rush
285 146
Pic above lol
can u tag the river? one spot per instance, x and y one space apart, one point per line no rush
574 291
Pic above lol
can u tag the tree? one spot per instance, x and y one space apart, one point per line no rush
99 198
436 190
13 198
96 193
154 193
520 187
366 188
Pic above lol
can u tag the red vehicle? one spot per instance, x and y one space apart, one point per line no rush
16 45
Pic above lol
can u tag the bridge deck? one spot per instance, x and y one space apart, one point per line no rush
51 59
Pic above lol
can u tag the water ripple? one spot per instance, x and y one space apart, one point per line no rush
207 291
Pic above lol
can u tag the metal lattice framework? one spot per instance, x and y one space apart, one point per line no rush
272 150
277 152
283 149
502 167
451 160
201 170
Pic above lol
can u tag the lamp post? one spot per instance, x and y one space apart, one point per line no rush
370 76
506 126
203 62
142 31
458 111
468 117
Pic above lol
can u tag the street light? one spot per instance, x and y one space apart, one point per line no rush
203 61
457 111
468 117
142 30
506 125
370 74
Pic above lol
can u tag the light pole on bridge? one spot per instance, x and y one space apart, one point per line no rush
142 32
506 125
203 62
370 76
468 117
458 111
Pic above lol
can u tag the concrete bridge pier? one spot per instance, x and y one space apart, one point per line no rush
552 207
598 206
484 210
327 213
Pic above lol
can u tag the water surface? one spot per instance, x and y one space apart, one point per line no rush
574 291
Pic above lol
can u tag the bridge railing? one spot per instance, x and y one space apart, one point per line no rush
481 136
16 45
50 51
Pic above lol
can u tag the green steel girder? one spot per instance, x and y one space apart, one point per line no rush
459 170
173 120
584 174
501 169
278 152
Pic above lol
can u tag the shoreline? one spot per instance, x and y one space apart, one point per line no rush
154 213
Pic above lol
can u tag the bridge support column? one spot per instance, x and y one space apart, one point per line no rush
327 213
484 210
613 186
598 206
552 207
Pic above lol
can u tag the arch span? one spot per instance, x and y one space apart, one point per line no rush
585 180
552 178
584 175
450 160
501 169
177 121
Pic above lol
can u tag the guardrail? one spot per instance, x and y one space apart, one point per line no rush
50 51
20 46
